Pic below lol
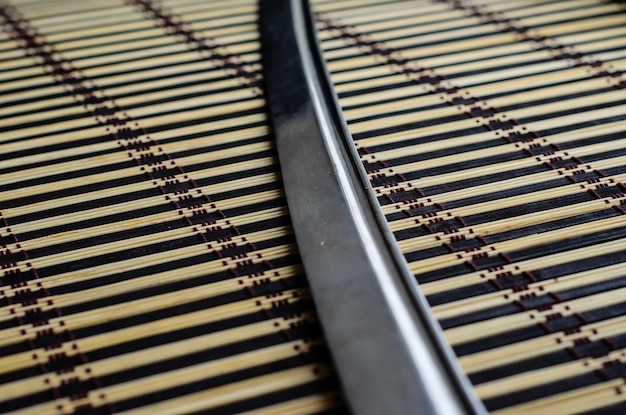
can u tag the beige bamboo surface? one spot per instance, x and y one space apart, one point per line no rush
179 101
513 68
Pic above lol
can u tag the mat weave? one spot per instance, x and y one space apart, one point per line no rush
494 135
148 261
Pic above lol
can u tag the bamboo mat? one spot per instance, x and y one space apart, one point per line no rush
494 135
148 261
